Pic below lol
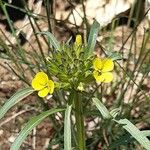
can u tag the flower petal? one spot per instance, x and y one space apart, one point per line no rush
97 63
36 85
42 78
97 76
50 85
107 65
107 77
43 92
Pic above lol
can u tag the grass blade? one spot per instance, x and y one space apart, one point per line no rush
18 96
33 122
67 129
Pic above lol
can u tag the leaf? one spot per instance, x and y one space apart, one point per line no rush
126 139
33 122
18 96
146 132
92 38
104 111
113 55
126 124
68 41
51 39
135 132
115 112
67 128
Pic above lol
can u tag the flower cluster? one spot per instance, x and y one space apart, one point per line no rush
73 70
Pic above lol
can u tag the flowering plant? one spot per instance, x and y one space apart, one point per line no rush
73 69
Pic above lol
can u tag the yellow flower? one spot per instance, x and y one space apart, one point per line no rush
42 84
102 68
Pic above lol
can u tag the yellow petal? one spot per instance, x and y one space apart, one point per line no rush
107 77
97 76
97 64
50 85
107 65
35 84
78 40
41 77
43 92
40 80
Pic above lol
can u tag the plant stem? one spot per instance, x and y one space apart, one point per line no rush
80 134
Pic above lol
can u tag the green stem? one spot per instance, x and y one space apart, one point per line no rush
80 134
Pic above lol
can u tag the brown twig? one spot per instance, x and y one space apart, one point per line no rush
14 116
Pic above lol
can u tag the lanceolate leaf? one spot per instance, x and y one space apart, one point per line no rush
52 40
18 96
67 129
33 122
140 136
126 139
113 55
92 38
146 133
104 111
135 132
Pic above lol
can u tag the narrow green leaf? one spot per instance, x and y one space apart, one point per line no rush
126 139
104 111
146 132
115 112
113 55
92 38
33 122
18 96
126 124
67 129
135 132
68 41
51 39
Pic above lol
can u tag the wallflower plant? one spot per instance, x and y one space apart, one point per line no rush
74 68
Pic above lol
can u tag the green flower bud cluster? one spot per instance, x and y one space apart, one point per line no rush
69 65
